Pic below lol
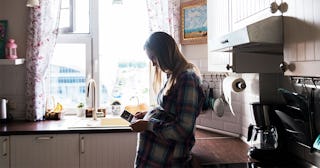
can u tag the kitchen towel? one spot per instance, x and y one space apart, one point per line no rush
232 84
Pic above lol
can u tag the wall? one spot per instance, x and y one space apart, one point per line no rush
12 83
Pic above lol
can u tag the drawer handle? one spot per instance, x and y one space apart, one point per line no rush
44 138
224 41
82 145
4 147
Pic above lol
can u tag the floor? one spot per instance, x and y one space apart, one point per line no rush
213 150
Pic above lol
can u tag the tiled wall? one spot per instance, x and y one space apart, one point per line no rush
12 88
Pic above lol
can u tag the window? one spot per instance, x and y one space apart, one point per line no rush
105 44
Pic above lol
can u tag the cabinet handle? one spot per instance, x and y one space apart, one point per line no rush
285 66
82 145
4 147
229 66
224 41
274 7
44 138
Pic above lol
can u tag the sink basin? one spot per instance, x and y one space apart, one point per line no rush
99 123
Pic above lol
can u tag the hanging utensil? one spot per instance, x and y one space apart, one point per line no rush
219 103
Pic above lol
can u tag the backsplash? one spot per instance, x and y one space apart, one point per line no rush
12 88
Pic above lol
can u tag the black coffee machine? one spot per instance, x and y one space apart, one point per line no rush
263 136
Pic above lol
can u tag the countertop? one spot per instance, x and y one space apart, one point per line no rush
64 126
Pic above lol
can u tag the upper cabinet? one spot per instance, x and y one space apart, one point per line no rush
302 38
245 12
218 18
228 16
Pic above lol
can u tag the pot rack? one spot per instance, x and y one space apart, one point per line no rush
312 82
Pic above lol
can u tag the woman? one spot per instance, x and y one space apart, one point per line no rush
167 133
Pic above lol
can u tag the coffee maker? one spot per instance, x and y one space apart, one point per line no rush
263 135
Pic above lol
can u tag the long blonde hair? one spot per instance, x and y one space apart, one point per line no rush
170 59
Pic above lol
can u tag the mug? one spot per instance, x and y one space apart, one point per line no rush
115 109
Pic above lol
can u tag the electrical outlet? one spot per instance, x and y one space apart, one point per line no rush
11 105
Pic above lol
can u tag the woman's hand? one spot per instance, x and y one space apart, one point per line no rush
140 115
139 126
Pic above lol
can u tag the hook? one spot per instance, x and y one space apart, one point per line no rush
314 83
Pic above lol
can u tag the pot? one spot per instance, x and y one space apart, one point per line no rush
219 104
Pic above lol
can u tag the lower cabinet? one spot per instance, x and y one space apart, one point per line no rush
114 150
96 150
45 151
4 151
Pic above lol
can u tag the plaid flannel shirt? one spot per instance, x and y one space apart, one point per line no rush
170 135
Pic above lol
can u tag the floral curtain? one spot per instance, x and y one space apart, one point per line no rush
41 39
164 15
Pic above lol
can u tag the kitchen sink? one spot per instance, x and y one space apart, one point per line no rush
99 123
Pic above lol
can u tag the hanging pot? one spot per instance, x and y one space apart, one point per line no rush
219 103
206 103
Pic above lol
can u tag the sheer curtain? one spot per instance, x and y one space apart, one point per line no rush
165 16
41 39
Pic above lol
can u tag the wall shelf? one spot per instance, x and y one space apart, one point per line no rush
12 61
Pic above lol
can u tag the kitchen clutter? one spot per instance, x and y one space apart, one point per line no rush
219 100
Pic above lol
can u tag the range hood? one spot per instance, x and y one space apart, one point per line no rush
265 36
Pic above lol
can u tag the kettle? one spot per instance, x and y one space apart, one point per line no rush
3 109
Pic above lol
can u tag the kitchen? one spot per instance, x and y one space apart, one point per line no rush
301 48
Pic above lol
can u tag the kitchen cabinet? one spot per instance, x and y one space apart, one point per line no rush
107 150
46 151
218 17
245 12
302 38
4 149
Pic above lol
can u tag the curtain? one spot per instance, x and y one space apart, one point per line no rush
164 15
42 33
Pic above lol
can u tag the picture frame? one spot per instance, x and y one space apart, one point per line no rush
3 37
194 22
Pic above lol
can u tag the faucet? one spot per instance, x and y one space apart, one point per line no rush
91 91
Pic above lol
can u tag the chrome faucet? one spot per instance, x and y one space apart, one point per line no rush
91 91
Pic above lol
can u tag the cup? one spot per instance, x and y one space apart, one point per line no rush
115 109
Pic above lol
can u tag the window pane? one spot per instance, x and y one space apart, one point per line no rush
75 18
66 76
124 67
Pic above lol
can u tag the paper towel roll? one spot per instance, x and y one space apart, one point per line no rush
232 84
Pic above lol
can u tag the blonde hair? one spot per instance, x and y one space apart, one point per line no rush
170 59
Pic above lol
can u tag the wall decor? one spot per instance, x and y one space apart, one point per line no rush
3 37
194 22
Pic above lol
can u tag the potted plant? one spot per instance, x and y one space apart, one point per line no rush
80 109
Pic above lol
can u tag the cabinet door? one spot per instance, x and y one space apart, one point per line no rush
245 12
302 37
45 151
107 150
4 149
218 17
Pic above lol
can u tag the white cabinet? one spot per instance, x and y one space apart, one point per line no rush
302 38
45 151
4 151
107 150
245 12
218 17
